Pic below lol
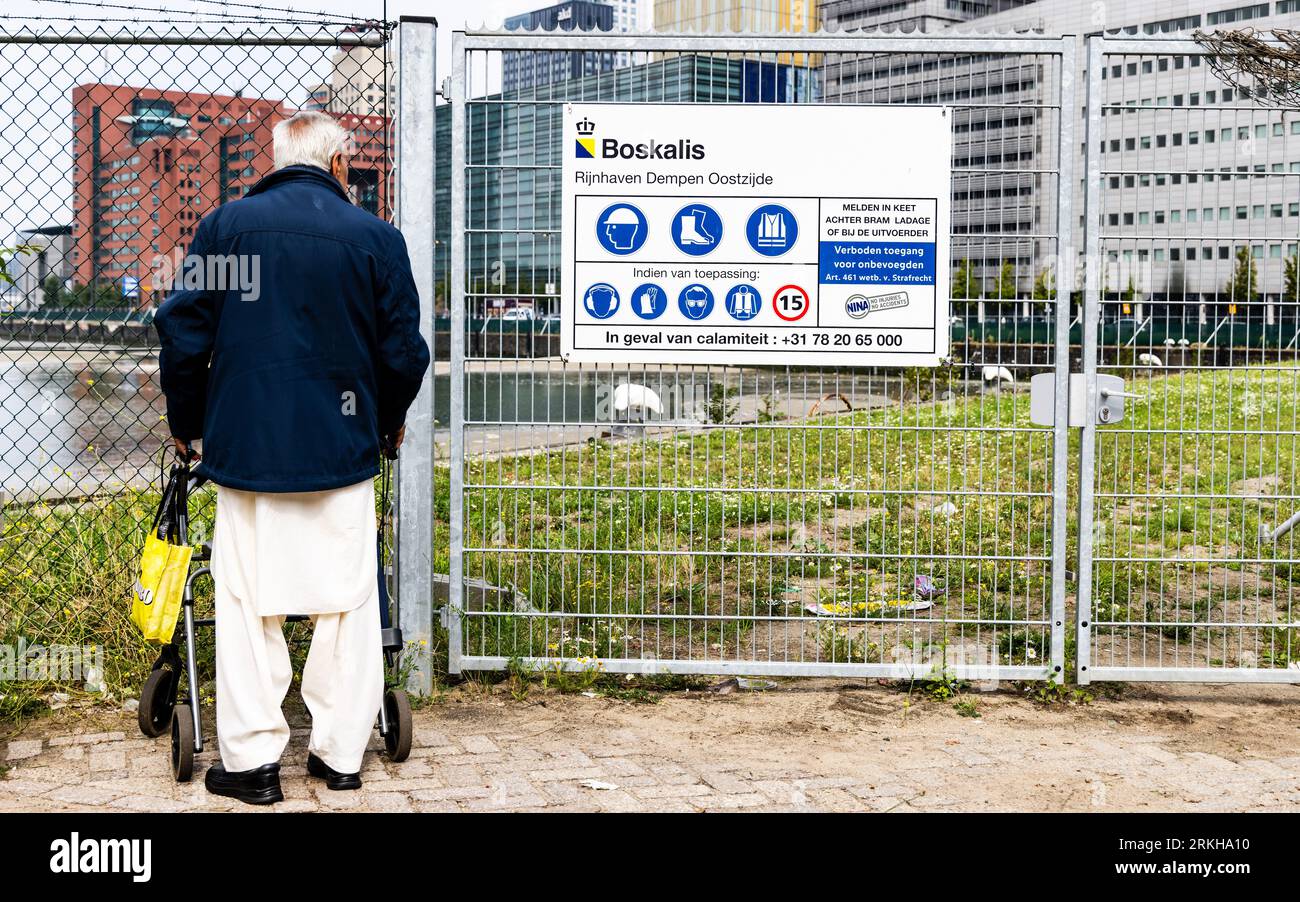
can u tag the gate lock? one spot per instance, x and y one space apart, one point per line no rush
1110 399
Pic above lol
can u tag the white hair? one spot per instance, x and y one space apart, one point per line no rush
309 139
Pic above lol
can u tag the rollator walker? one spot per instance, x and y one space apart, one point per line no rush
163 707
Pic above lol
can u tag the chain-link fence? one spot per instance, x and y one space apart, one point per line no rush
113 145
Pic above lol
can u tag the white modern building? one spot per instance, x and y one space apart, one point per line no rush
1192 170
46 254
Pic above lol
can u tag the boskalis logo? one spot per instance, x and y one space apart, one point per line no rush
616 149
585 149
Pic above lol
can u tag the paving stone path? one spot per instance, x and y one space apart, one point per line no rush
811 745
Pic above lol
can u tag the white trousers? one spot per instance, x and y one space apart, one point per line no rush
343 679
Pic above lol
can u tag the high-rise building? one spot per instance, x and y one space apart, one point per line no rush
908 15
362 81
526 70
754 16
45 254
629 16
1191 184
149 164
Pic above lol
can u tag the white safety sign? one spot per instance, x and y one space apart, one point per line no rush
756 233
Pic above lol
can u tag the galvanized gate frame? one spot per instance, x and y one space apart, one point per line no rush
1064 48
1098 48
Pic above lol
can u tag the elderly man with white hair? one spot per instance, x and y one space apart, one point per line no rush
294 387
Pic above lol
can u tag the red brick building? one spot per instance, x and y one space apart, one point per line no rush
149 164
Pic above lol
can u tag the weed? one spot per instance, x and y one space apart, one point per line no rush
966 707
1049 693
840 646
769 410
520 678
720 407
568 680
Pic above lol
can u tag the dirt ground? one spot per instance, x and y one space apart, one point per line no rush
805 745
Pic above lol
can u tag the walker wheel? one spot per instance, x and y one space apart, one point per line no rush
157 700
397 709
182 743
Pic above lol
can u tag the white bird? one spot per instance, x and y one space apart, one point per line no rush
628 395
997 374
1169 342
1150 360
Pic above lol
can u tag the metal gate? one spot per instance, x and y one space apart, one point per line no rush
808 521
1188 564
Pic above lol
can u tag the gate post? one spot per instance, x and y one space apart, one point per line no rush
456 567
1092 275
1065 259
417 42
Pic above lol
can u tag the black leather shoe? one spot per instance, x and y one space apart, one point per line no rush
260 786
333 779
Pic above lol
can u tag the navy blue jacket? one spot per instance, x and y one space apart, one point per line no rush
292 377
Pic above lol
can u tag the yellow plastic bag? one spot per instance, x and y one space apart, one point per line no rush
156 606
165 563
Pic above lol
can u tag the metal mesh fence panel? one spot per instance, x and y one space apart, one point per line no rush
113 144
774 519
1189 500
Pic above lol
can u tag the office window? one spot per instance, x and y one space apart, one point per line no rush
1237 14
